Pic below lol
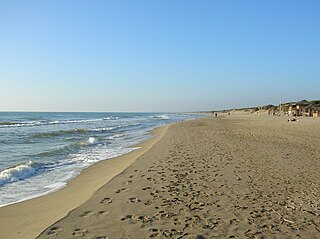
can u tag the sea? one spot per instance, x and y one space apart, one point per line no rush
40 152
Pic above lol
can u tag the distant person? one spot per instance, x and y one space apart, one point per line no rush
216 114
228 113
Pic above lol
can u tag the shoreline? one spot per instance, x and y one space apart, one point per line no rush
243 176
28 218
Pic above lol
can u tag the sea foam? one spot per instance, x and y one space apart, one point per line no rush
163 116
41 122
18 172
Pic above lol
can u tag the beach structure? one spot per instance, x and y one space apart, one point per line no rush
272 110
304 108
296 109
308 110
316 112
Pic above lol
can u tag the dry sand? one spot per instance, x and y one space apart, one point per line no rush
239 176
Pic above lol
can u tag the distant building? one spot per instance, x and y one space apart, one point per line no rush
304 108
296 109
308 110
316 112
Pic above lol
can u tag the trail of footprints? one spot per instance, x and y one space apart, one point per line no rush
181 193
194 192
190 187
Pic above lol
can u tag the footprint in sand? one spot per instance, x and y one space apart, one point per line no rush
121 190
129 182
106 201
87 214
79 232
127 217
154 232
148 202
54 231
94 213
134 200
103 213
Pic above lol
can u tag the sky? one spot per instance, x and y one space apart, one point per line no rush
166 55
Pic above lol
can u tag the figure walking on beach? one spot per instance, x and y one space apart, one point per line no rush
216 114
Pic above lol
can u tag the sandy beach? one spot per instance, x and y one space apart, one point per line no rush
28 218
238 176
159 119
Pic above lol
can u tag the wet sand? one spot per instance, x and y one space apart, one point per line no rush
240 176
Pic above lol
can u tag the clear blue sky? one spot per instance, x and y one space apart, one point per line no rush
157 55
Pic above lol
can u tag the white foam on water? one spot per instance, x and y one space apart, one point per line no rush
103 129
163 116
58 174
30 180
91 140
18 172
39 123
114 136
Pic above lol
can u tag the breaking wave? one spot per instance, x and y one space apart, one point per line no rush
115 136
41 122
164 117
89 141
19 172
79 131
30 169
58 133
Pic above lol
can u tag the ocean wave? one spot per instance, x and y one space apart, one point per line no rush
163 116
26 170
30 169
72 131
103 129
115 136
68 149
58 133
20 124
42 122
19 172
8 123
89 141
111 118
